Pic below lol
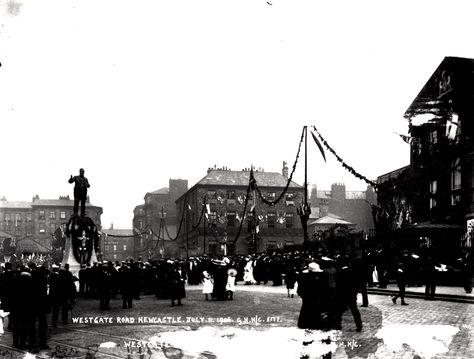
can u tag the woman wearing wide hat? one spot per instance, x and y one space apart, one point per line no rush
317 310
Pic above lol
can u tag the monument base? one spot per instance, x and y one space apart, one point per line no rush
80 245
68 258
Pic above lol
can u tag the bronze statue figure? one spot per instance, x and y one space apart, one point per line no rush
80 192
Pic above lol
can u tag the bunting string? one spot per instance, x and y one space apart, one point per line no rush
272 203
344 164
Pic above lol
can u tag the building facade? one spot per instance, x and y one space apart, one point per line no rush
212 214
148 217
117 244
434 195
32 224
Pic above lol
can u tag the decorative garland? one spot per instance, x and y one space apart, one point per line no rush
253 182
345 165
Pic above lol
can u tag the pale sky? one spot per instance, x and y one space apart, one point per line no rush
137 92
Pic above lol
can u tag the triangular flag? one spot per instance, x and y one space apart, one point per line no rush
319 146
405 138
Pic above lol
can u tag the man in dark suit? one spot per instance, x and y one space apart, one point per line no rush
39 277
126 285
346 290
58 295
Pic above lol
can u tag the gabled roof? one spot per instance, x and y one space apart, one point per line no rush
164 190
241 178
452 84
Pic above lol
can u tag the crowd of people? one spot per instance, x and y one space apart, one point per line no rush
328 284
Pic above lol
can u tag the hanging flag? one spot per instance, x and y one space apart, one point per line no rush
208 209
319 146
452 126
405 138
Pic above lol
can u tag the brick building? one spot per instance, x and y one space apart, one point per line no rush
148 216
32 224
117 244
224 191
430 202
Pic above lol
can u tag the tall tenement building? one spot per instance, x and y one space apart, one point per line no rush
224 191
430 202
31 225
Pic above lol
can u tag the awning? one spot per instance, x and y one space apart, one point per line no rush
433 226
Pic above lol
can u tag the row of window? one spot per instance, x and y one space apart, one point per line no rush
231 194
231 218
114 247
19 217
455 185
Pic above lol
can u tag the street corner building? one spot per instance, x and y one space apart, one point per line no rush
428 205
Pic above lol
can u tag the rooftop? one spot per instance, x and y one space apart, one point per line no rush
119 232
164 190
241 178
15 204
452 83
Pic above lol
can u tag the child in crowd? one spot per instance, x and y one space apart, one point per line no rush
207 287
230 287
3 315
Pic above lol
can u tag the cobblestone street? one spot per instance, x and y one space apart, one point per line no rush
260 322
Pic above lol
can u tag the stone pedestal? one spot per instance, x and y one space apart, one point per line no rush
81 242
74 265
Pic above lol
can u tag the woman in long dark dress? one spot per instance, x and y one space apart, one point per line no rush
317 309
176 281
220 280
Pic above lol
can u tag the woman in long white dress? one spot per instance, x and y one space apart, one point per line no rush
207 287
248 272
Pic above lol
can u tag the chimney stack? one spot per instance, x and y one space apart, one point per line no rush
284 170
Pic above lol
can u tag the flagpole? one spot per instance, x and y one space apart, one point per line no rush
204 233
186 226
305 206
162 229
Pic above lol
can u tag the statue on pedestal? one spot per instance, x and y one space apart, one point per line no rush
82 235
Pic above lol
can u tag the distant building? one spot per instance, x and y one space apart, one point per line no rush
33 224
147 217
351 206
117 244
225 191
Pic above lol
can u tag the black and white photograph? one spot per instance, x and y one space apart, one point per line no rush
214 179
